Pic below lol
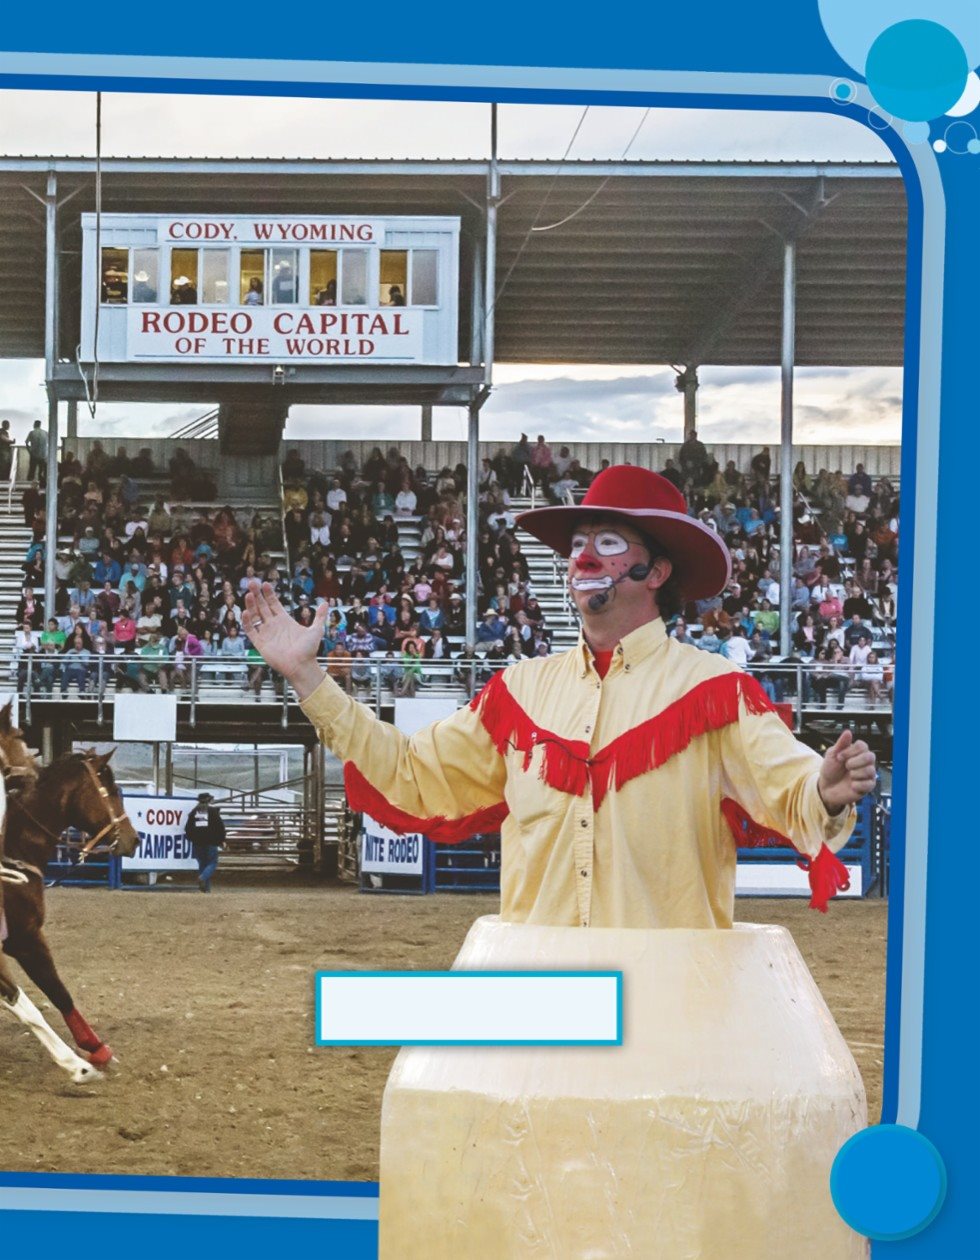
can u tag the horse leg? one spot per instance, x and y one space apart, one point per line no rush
31 951
19 1004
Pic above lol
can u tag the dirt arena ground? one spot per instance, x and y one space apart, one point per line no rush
208 1003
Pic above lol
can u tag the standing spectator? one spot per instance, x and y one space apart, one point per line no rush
37 447
541 462
206 832
693 458
6 450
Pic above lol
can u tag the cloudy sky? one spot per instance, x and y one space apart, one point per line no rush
586 403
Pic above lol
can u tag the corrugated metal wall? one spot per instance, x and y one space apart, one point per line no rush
251 472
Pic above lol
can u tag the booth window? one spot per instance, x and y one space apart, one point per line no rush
214 276
425 277
285 277
252 277
394 277
115 275
323 277
183 277
354 277
146 275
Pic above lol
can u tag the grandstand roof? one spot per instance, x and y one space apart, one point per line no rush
654 262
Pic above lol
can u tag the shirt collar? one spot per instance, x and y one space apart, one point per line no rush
632 649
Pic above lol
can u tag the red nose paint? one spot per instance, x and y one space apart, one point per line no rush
587 564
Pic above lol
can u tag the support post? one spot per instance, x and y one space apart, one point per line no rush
156 767
489 297
168 768
51 509
687 383
50 358
72 418
472 518
478 310
787 356
426 422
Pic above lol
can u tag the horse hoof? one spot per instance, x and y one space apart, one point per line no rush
85 1074
101 1057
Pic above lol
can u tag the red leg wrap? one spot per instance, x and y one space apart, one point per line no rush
79 1028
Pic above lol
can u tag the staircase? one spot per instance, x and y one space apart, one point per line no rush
15 538
547 573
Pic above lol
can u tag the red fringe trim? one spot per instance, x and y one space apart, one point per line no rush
362 796
826 873
564 764
709 706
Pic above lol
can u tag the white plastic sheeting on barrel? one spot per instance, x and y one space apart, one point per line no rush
708 1135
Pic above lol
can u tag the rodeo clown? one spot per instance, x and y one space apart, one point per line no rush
622 774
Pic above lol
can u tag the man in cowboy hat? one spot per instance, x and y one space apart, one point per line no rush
206 832
620 772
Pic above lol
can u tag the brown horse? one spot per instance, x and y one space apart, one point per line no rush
77 791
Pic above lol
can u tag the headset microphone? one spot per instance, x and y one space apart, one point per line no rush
638 573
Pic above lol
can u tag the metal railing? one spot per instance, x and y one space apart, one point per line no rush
206 682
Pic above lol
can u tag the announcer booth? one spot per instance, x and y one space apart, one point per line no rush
282 290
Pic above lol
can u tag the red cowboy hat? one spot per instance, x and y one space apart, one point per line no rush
652 505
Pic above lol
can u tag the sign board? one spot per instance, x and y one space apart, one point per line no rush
160 822
384 852
258 333
216 229
145 719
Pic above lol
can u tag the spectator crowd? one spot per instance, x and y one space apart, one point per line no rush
145 585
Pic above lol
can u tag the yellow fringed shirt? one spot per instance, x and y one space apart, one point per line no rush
608 792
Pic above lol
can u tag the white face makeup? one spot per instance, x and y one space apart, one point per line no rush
606 543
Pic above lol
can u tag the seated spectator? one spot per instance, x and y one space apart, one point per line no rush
832 673
411 669
492 629
382 502
27 644
336 496
680 633
406 500
154 668
124 631
872 673
736 647
29 608
48 667
432 616
436 649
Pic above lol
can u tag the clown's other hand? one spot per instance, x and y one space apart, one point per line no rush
848 772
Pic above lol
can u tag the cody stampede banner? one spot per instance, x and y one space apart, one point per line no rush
384 852
160 823
265 333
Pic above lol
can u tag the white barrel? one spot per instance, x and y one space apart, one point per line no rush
708 1135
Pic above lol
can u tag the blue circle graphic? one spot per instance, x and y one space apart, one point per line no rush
917 70
888 1182
916 133
973 146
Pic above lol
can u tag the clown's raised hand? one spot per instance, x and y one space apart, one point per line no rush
285 645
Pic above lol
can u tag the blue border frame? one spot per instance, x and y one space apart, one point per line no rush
468 975
711 50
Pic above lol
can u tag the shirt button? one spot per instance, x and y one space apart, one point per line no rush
584 874
584 822
588 730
